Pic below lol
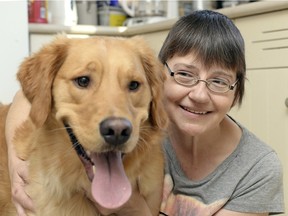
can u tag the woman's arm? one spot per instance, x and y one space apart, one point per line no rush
18 169
224 212
179 204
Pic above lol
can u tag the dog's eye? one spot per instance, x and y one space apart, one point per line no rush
134 85
82 82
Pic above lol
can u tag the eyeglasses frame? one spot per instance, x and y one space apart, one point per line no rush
172 73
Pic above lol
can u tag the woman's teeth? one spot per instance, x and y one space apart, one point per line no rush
193 111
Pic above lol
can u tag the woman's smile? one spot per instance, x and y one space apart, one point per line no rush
194 111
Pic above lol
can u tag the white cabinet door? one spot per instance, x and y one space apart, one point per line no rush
263 110
266 39
156 39
37 41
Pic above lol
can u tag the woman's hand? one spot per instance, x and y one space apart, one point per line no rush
18 173
18 169
178 205
168 205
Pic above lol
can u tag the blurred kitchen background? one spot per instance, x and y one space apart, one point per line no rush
116 12
28 24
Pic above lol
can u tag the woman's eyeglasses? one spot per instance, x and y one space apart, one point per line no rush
188 79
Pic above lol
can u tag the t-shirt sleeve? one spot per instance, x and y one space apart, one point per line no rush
261 190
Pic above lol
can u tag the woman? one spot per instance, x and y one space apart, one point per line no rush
214 165
216 162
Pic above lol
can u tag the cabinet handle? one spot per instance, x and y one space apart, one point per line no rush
286 102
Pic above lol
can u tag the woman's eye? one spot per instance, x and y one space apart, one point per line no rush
219 82
133 85
82 81
185 74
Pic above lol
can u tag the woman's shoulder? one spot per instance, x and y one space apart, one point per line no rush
261 174
250 144
253 152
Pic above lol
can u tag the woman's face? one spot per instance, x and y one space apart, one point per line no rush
196 110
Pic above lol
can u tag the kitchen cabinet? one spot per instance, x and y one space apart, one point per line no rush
38 40
155 33
155 39
266 38
264 110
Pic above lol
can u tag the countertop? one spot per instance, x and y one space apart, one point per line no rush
232 12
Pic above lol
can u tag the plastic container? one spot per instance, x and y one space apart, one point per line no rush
87 12
63 12
111 16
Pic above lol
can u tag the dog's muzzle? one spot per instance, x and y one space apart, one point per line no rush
110 186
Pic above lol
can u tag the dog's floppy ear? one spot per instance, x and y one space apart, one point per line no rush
36 75
155 76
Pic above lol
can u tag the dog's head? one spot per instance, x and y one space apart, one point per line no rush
106 90
82 81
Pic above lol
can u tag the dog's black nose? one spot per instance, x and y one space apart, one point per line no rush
115 131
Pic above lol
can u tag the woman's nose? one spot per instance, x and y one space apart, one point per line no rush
199 92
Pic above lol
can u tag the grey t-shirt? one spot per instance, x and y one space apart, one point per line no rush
249 180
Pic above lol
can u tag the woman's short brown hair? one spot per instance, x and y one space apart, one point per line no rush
214 39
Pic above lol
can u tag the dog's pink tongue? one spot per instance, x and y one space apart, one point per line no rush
110 185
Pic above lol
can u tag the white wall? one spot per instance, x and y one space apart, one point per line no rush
14 45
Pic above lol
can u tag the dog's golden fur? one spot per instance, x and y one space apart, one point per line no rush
125 80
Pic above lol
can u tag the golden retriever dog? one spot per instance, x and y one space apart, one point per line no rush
95 129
